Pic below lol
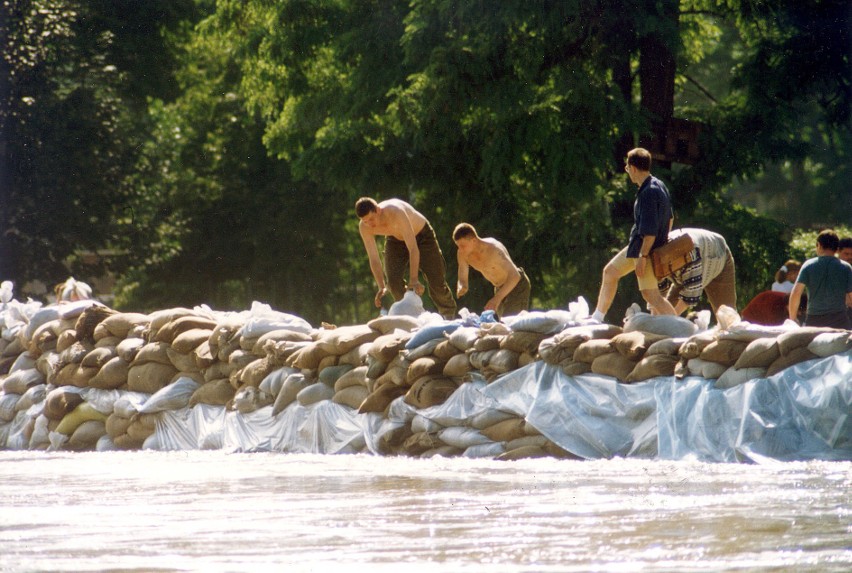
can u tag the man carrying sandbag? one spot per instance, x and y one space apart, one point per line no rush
410 239
829 283
710 271
490 257
652 219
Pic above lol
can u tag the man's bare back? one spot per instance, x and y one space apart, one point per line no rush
394 218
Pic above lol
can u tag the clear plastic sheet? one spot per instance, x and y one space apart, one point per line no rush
799 414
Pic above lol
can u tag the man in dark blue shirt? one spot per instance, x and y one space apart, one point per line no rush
652 219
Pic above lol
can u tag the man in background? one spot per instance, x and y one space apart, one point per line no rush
829 283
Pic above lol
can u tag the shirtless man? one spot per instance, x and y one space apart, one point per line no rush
490 257
411 240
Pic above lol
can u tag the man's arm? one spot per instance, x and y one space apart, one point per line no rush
464 271
369 241
642 263
795 299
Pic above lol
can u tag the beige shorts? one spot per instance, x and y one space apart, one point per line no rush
625 266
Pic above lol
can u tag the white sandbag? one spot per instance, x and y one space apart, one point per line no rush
735 376
830 343
749 332
33 395
24 361
425 349
705 368
18 382
464 338
487 450
545 322
422 424
462 437
410 305
263 319
273 381
129 403
172 397
316 392
666 325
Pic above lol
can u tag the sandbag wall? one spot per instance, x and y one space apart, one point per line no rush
82 376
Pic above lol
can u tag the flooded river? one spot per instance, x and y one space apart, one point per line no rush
213 511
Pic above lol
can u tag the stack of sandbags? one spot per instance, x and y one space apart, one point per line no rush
560 349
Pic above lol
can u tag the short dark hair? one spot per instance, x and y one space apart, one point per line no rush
639 158
364 206
828 240
463 230
845 243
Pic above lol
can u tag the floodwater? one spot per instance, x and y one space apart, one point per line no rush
214 511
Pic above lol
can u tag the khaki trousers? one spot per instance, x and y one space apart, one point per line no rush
518 298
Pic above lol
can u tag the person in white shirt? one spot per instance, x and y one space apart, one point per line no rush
785 277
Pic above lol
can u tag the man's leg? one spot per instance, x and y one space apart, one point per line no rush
616 268
435 270
396 261
723 288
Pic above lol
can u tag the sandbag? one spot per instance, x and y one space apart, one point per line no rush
725 352
89 319
425 349
7 408
430 331
464 338
111 375
129 347
652 366
396 375
97 357
705 368
314 393
735 376
33 395
186 342
149 377
120 324
794 356
254 373
635 343
379 399
429 391
462 437
424 367
524 452
354 377
572 368
591 349
357 356
666 325
159 318
830 343
331 374
86 435
153 352
171 330
670 346
800 337
445 350
82 413
343 339
695 344
613 364
505 430
488 342
387 324
22 380
503 360
171 397
760 353
521 341
280 335
351 396
116 425
61 401
183 362
214 393
457 366
249 399
308 357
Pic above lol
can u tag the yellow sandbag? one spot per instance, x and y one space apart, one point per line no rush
82 413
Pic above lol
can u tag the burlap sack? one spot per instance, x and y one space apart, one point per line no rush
571 368
633 345
420 442
591 349
86 436
65 339
800 338
375 367
386 347
142 426
425 366
175 328
794 356
429 391
479 360
343 339
614 364
189 340
351 396
759 353
521 341
489 417
239 359
226 348
249 399
217 370
695 344
525 358
457 366
502 361
538 441
488 342
183 362
314 393
445 350
522 453
202 355
725 352
422 350
736 376
107 341
831 343
357 356
290 388
128 348
214 393
387 324
153 352
116 425
126 442
254 373
22 380
670 346
149 377
111 375
551 352
505 430
354 377
100 332
464 337
89 319
397 375
652 366
281 335
120 324
379 399
159 318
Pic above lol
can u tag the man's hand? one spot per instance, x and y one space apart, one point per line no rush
418 288
461 290
492 303
379 295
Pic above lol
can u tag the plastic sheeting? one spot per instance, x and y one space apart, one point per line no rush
799 414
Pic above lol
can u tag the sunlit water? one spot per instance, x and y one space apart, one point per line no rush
211 511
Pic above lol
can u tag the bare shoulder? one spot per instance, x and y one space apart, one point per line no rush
495 245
